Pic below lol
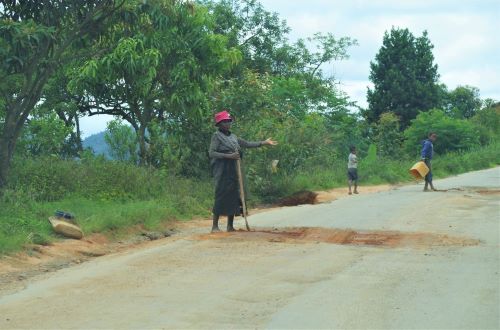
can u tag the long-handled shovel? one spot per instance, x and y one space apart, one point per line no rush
242 193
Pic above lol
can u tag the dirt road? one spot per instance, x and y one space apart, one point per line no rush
394 259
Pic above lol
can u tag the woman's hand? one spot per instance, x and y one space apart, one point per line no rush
269 142
234 155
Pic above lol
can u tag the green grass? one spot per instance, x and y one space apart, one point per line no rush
107 197
104 196
29 224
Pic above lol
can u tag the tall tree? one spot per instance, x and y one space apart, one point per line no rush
257 33
404 76
262 38
298 83
34 37
463 102
157 66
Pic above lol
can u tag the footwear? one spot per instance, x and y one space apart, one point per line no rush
215 224
350 193
356 192
230 229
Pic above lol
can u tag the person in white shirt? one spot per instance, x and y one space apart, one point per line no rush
352 170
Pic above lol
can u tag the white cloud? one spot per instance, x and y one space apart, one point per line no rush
487 80
356 89
464 34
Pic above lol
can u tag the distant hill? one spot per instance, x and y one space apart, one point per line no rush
97 143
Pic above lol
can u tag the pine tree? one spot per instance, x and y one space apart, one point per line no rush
404 77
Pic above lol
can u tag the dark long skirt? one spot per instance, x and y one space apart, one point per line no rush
227 192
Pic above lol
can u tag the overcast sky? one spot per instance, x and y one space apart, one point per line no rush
465 35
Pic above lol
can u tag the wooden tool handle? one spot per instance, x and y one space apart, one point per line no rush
242 193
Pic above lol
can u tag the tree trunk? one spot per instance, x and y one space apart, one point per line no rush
4 162
79 144
8 141
75 135
16 115
142 145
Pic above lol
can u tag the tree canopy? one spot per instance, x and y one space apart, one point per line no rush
462 102
404 77
34 38
156 66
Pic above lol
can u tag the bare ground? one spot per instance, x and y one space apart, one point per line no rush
36 261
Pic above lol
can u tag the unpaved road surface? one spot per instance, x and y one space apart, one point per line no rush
395 259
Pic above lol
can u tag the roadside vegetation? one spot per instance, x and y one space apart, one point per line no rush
107 196
162 69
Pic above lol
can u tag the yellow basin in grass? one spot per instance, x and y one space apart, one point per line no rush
419 170
65 228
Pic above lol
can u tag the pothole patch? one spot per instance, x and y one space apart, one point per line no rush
342 237
488 191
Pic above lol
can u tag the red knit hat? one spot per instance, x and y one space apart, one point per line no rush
223 115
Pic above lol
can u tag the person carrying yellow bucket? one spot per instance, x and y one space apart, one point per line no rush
426 156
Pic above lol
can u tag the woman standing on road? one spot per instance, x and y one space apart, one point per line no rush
224 151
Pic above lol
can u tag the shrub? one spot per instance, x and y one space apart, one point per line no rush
388 135
52 178
487 122
453 134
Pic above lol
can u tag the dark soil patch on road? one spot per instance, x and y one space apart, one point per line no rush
299 198
342 237
450 189
489 191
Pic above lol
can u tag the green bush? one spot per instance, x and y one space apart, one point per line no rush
53 178
453 134
487 121
388 136
464 161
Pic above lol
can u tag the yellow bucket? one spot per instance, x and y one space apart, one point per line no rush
419 170
65 228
